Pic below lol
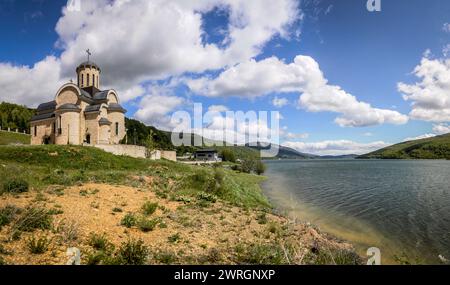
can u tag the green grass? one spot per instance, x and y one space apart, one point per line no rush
42 166
8 138
431 148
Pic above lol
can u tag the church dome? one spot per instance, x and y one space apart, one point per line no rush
88 64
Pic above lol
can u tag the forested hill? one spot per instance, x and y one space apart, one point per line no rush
15 117
430 148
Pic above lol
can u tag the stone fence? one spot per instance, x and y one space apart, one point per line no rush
137 151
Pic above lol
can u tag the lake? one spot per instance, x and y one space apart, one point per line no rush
399 206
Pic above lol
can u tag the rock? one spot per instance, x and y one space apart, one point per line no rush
443 259
74 256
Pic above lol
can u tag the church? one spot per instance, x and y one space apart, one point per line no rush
80 114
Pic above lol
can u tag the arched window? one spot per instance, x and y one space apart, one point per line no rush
82 80
35 131
88 80
117 129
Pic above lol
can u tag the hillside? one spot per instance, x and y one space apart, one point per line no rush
10 138
126 211
15 117
284 152
430 148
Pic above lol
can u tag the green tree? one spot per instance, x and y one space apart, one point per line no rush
228 155
260 167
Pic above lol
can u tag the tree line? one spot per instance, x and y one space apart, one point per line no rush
15 117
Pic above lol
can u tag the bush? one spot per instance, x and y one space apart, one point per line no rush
147 225
165 257
15 186
262 219
262 254
129 220
100 242
7 214
260 167
2 261
174 238
38 246
149 208
248 165
33 219
67 229
330 256
228 155
207 197
132 252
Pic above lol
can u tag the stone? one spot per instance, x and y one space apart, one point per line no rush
74 256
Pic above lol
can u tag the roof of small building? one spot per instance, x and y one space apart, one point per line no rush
92 108
116 107
70 107
104 121
46 107
206 150
41 117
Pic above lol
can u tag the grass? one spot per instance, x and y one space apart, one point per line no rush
147 225
8 214
38 245
73 165
129 220
100 242
32 219
10 138
15 186
149 208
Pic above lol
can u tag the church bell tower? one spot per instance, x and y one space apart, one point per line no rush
88 74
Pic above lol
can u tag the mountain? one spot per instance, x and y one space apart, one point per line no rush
345 156
284 152
431 148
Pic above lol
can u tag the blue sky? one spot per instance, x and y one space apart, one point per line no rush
366 54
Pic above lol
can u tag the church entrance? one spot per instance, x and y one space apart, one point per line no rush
88 139
47 140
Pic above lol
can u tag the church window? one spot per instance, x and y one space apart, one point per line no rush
117 129
88 80
35 131
82 80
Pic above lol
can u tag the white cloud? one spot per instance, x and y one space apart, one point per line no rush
280 102
368 134
160 38
218 108
156 106
336 147
295 136
258 78
441 129
424 136
431 96
30 85
446 27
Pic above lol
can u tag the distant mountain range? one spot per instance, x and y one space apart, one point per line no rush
431 148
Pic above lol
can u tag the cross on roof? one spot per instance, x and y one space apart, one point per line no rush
88 53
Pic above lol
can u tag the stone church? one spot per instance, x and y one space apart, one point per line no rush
81 114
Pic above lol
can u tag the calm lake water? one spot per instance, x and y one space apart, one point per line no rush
401 207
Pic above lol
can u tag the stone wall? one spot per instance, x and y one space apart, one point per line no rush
169 155
128 150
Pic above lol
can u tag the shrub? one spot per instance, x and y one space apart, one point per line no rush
129 220
147 225
2 261
100 242
7 214
15 186
174 238
248 165
67 229
165 257
263 254
207 197
228 155
260 167
149 208
331 256
117 210
33 219
262 219
132 252
38 246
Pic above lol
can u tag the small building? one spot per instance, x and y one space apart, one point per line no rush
207 155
